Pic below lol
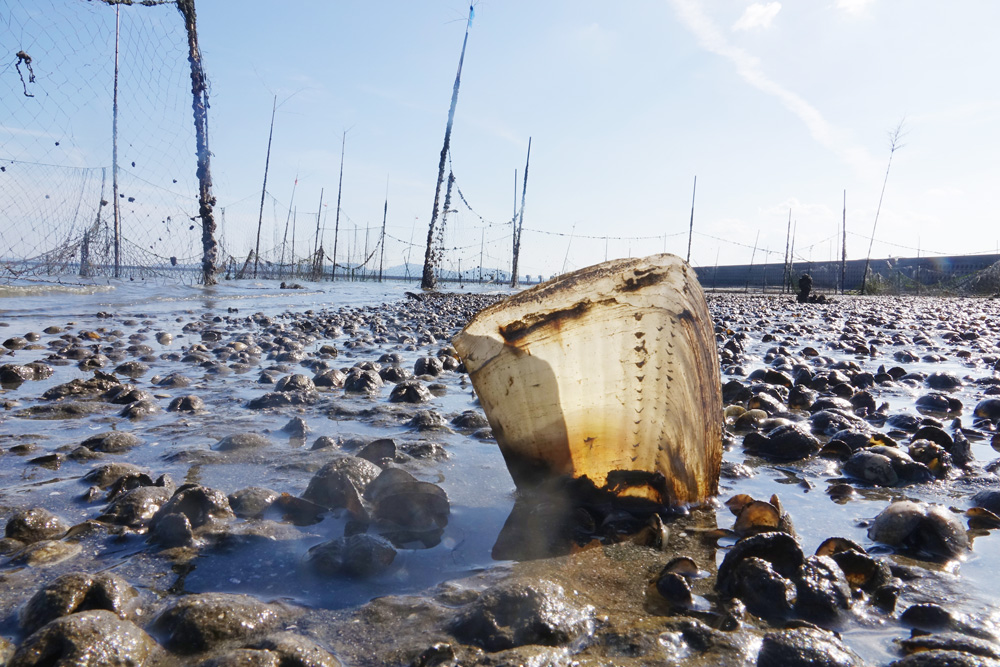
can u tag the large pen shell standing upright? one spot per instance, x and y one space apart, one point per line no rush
610 368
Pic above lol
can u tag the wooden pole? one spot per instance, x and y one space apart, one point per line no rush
691 227
791 254
444 214
315 257
336 219
385 214
520 220
843 251
752 256
114 153
263 189
715 273
199 90
429 280
364 267
513 226
786 272
284 241
763 278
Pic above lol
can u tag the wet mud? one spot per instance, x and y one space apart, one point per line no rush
321 488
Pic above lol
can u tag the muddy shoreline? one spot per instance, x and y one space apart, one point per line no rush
255 494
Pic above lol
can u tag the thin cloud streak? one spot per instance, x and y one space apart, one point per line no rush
757 15
748 67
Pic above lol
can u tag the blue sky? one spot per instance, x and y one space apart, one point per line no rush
774 106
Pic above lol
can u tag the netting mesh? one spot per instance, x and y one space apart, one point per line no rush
57 171
57 95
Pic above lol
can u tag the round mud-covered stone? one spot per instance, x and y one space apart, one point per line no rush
252 501
112 442
34 525
428 366
516 613
784 443
470 419
871 468
241 441
363 381
188 403
988 408
76 592
779 549
282 399
86 639
823 592
202 621
805 647
107 474
295 382
330 378
337 482
361 555
944 658
136 507
951 642
764 592
295 649
410 391
199 504
140 409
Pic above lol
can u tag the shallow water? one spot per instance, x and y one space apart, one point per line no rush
474 475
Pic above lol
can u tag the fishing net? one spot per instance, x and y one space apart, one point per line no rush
57 99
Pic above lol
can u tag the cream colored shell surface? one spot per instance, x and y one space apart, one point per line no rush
609 369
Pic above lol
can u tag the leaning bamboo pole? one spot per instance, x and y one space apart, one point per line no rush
520 220
199 91
263 189
114 153
429 280
336 217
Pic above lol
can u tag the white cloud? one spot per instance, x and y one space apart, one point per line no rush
758 15
748 67
853 6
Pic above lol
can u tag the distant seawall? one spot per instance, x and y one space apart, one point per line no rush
826 275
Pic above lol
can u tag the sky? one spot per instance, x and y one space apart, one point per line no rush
777 108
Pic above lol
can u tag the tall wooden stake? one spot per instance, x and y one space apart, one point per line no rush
385 214
786 273
791 256
284 241
843 251
199 90
263 189
444 214
316 262
763 278
429 280
336 219
520 220
114 154
691 227
513 225
752 256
